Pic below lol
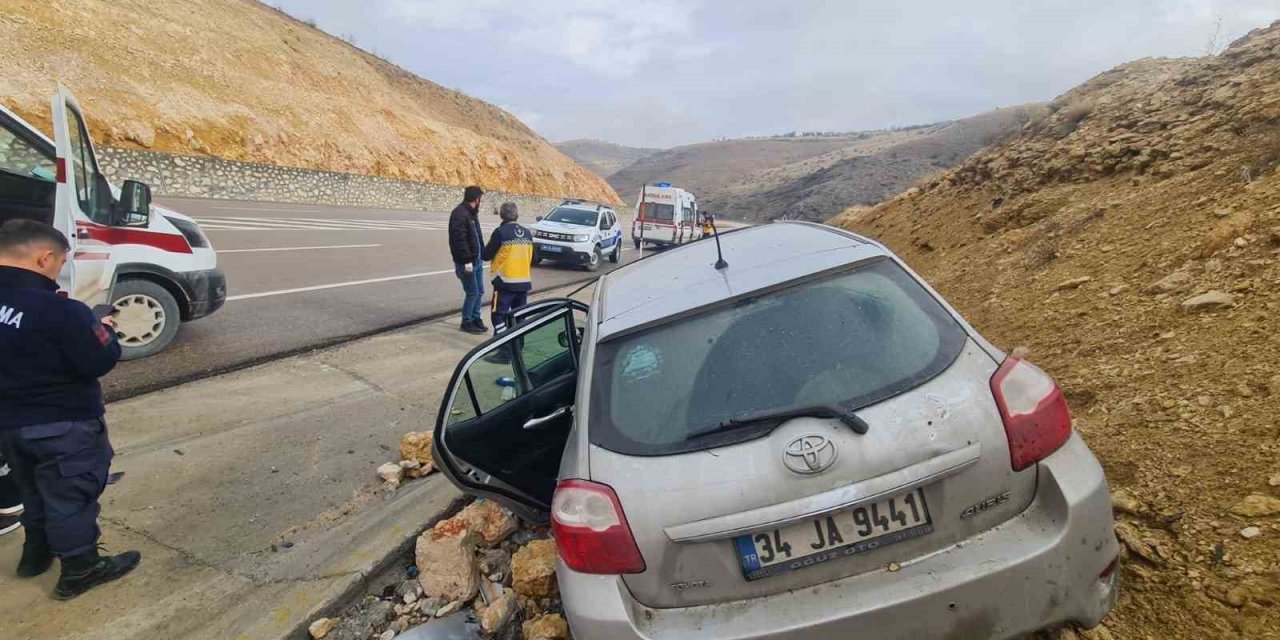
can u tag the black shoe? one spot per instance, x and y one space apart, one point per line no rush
88 570
480 323
474 328
36 555
10 520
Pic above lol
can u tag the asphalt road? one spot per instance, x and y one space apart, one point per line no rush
301 276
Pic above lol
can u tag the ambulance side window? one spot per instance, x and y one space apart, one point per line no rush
84 170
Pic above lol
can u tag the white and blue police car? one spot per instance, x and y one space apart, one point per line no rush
578 232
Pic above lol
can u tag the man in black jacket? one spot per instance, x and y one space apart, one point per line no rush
464 245
52 435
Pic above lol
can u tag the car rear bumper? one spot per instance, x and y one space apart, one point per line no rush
1037 569
206 291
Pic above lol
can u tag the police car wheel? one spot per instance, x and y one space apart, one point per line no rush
593 259
617 253
147 318
537 259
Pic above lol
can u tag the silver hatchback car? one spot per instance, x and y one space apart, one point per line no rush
808 443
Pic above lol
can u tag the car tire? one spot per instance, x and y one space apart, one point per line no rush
147 318
594 259
617 253
537 259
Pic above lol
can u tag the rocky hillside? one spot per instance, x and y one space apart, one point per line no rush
603 158
1130 242
815 177
239 80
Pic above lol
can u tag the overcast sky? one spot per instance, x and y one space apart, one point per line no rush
668 72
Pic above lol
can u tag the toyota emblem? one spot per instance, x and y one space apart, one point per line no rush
809 454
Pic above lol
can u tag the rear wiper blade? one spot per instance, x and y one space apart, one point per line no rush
849 418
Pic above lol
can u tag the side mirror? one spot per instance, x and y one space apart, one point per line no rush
563 339
538 219
134 208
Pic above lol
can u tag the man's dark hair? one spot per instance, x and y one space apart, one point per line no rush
472 193
22 232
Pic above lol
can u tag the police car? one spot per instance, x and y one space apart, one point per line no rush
578 232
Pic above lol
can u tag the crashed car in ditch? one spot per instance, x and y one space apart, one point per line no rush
806 443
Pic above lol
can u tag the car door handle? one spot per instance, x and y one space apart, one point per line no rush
534 423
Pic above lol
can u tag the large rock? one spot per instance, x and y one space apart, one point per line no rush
490 521
1170 283
321 628
391 473
1257 506
1210 301
500 615
445 556
416 446
533 569
547 627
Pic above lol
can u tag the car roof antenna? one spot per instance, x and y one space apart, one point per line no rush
721 265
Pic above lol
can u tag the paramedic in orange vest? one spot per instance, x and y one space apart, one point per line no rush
510 252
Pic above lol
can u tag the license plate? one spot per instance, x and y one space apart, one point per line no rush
835 535
550 248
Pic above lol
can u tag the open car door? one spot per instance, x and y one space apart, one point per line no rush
532 310
83 198
508 411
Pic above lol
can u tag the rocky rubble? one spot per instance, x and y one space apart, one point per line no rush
480 564
1158 181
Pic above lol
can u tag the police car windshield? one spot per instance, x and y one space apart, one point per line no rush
581 217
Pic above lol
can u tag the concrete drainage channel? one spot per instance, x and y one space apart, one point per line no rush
474 572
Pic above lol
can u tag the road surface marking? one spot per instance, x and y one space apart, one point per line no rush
313 224
267 209
332 246
335 285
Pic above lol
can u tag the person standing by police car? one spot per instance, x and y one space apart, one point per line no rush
464 245
510 252
52 433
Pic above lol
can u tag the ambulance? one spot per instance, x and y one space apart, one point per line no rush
153 265
665 215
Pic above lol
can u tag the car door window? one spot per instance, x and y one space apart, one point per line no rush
511 412
84 171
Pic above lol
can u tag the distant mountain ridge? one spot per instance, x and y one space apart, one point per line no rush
811 176
603 158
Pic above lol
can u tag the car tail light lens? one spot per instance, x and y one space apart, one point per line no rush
1036 418
591 531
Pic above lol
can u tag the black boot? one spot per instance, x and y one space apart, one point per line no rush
36 555
88 570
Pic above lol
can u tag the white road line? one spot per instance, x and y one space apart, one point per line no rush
336 285
333 246
268 209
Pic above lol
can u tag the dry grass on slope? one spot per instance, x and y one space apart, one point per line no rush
239 80
1088 240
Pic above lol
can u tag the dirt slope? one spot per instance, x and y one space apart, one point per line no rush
603 158
1092 239
240 80
815 177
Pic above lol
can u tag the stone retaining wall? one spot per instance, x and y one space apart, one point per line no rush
206 177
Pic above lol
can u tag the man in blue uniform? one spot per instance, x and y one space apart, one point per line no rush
52 435
510 250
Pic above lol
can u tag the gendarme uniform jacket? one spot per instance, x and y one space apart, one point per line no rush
52 352
510 251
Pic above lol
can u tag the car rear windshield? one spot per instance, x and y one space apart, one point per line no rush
573 216
851 339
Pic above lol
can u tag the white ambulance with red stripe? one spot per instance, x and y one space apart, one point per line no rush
154 265
665 215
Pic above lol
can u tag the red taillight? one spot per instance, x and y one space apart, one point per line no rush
1036 418
591 531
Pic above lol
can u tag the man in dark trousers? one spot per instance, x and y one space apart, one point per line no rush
464 245
52 435
510 249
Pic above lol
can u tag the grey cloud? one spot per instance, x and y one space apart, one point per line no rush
666 72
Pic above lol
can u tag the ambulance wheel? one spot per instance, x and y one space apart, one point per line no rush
593 259
147 318
617 253
636 242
